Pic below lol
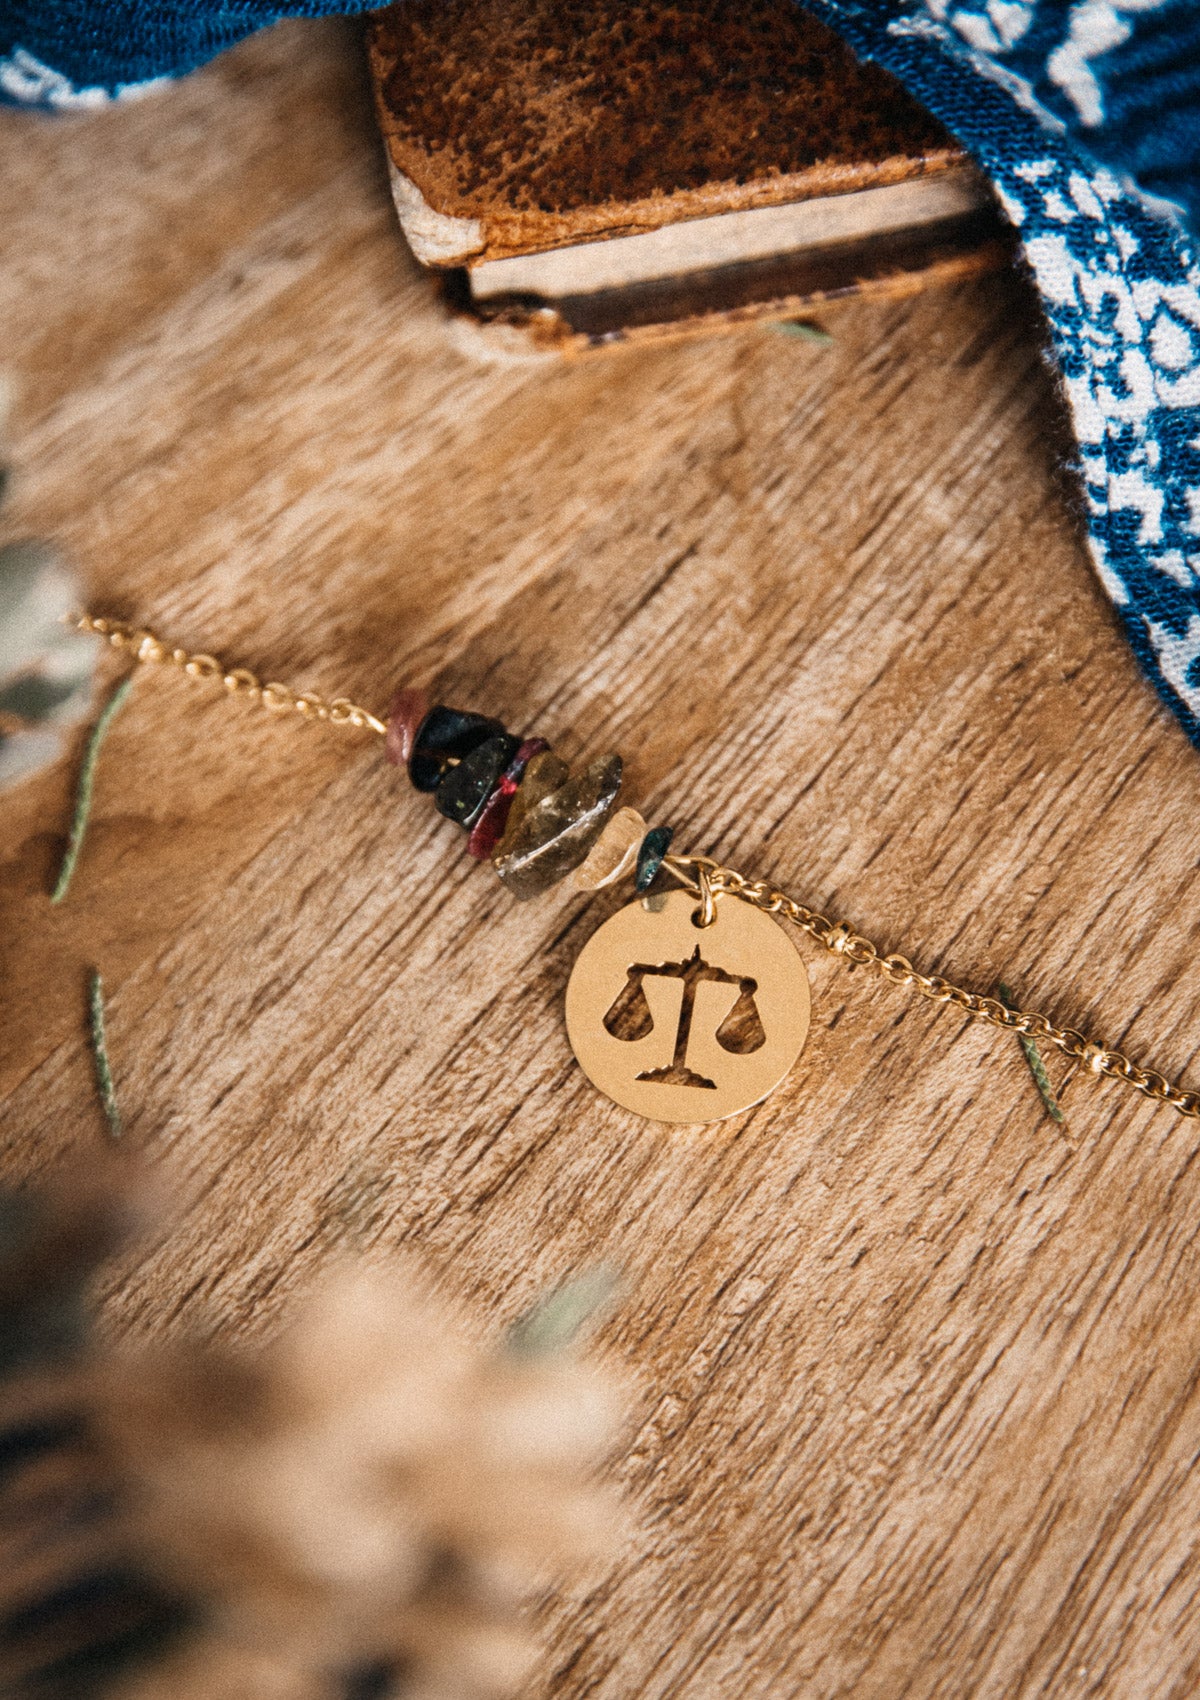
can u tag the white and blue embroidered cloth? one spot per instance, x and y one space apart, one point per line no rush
1087 119
1086 116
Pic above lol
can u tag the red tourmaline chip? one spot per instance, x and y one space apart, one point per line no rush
408 709
489 827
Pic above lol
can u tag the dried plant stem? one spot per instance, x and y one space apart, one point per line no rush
104 1079
1036 1066
83 793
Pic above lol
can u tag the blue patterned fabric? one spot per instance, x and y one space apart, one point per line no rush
1085 115
66 54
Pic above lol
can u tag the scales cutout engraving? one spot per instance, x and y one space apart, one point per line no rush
684 1023
629 1016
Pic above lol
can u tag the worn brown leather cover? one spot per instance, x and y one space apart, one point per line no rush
548 122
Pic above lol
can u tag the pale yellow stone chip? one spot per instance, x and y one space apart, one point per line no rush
614 852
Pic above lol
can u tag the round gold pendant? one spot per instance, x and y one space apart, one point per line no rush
683 1023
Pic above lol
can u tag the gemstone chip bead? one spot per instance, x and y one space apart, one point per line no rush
613 854
654 847
492 819
465 788
544 773
555 835
406 711
444 736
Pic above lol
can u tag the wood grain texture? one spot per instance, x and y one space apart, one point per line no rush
915 1406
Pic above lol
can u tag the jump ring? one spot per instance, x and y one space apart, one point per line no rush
707 912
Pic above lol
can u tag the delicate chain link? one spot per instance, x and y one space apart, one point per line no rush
840 938
238 681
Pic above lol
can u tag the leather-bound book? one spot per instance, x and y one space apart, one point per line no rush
598 171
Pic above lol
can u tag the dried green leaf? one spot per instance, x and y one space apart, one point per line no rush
555 1322
804 329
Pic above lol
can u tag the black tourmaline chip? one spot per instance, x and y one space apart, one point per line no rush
444 735
464 789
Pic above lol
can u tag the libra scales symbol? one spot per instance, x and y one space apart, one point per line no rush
629 1016
685 1021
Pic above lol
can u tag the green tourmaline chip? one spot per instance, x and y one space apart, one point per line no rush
556 834
654 847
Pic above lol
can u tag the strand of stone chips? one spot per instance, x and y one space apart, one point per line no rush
519 803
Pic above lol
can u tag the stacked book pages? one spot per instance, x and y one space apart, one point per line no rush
587 172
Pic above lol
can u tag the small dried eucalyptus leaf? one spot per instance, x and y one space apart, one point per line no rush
46 668
558 1320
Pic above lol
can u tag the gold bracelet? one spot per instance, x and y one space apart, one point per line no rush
687 1005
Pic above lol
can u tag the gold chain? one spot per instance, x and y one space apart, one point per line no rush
709 879
238 681
701 874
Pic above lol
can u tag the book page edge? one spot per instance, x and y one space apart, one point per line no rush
436 238
671 250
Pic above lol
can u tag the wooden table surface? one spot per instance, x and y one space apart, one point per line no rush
914 1386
